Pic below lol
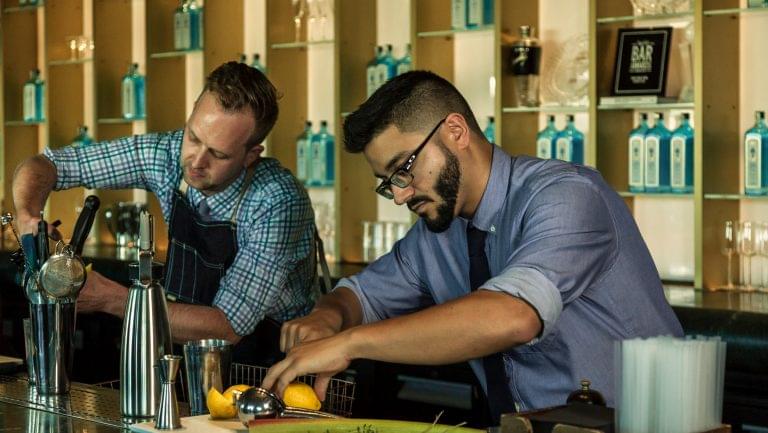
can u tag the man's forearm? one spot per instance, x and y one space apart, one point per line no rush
33 181
467 328
341 307
195 322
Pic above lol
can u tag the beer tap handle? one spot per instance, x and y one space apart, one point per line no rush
84 224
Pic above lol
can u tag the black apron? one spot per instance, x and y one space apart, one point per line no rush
199 254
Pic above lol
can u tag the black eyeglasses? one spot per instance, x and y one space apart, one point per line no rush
402 177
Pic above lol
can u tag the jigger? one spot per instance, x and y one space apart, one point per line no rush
168 409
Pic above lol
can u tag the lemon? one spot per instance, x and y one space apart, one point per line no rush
235 390
220 406
301 395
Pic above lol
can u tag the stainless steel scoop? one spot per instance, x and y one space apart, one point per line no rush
63 274
259 403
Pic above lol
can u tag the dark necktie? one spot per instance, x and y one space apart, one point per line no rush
204 210
499 397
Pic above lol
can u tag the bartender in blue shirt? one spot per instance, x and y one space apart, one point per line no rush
529 269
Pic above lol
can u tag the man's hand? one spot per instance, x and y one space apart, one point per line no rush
100 294
324 357
318 324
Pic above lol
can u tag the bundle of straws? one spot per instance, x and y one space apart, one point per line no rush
666 384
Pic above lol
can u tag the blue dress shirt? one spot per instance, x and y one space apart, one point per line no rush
562 240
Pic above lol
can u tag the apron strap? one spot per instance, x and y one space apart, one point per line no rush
320 253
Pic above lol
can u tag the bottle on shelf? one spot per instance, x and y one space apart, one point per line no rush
681 157
569 144
303 152
545 139
524 65
386 67
458 14
657 157
371 71
479 13
34 97
181 27
196 35
490 130
637 155
323 157
243 58
133 88
82 138
405 63
256 63
756 157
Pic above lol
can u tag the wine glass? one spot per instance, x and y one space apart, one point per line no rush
299 10
728 248
762 252
747 237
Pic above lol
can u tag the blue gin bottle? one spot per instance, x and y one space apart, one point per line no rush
82 138
196 35
756 157
256 63
474 13
34 98
133 93
386 67
545 140
637 155
303 153
681 157
657 157
488 12
458 14
372 73
569 144
181 27
323 157
405 63
490 130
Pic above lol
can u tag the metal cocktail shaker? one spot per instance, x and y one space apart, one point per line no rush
146 331
524 65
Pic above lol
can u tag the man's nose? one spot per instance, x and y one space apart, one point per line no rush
199 158
402 195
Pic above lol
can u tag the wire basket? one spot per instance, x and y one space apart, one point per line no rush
338 398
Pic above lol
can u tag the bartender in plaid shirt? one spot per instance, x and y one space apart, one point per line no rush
241 227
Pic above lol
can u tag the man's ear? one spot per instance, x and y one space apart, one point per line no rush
458 129
253 154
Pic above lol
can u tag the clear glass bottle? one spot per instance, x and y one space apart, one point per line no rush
569 144
196 34
133 93
371 72
637 155
657 157
524 65
256 63
490 130
323 157
303 152
474 13
34 98
756 157
681 157
405 63
82 138
545 139
181 33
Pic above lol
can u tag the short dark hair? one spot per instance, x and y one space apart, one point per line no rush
414 101
237 86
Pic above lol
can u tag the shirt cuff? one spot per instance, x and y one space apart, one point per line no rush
240 317
534 288
369 315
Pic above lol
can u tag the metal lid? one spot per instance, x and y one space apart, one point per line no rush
157 271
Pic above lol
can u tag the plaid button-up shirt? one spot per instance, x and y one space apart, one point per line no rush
272 273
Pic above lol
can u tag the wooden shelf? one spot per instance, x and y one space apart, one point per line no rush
290 45
118 121
649 107
24 8
735 11
663 195
451 32
677 16
23 123
70 62
546 109
169 54
735 197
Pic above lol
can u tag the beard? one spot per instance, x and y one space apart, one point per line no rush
447 188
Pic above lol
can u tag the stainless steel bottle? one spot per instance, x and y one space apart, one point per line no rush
146 331
524 65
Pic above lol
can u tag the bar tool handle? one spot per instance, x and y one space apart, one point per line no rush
43 250
84 223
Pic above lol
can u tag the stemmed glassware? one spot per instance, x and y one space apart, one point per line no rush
299 10
747 240
728 247
762 252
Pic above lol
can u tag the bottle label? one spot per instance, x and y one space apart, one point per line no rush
371 79
475 12
564 149
382 74
636 161
403 67
677 164
178 30
753 157
652 162
524 60
185 39
30 112
458 14
544 148
318 162
301 160
129 99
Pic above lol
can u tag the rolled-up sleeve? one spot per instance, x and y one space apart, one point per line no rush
567 243
389 287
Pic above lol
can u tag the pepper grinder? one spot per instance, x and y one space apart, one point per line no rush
168 409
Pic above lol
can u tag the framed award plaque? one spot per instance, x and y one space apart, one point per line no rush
642 57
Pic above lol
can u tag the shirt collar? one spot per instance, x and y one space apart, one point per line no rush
223 201
496 191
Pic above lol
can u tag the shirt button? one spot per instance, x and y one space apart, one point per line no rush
493 229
